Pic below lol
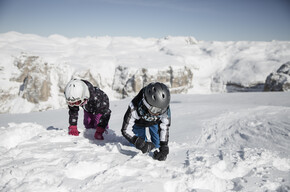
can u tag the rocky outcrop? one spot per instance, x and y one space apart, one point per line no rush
128 82
88 76
33 75
39 81
34 78
279 80
235 87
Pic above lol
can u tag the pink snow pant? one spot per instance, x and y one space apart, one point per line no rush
91 120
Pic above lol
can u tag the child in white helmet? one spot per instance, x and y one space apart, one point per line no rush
81 93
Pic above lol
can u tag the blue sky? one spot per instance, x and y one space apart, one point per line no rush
209 20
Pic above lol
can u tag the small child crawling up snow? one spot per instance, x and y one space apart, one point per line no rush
150 108
81 93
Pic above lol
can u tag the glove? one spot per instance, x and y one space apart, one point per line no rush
162 154
142 145
99 133
73 130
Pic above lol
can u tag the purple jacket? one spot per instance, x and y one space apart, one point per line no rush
98 103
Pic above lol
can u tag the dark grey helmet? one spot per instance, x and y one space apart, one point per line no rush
157 95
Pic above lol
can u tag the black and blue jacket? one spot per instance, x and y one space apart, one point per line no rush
137 115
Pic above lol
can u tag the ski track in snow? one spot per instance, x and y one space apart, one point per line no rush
232 154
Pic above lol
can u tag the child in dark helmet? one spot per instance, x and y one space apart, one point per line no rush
81 93
150 108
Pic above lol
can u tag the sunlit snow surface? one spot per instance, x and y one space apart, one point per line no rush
218 142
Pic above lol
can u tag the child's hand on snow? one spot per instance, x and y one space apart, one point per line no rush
73 130
142 145
162 154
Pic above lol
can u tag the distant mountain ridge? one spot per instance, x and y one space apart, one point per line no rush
34 70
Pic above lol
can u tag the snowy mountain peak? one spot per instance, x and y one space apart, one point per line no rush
34 69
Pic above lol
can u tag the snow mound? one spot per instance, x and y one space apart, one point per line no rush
15 134
88 168
226 170
259 127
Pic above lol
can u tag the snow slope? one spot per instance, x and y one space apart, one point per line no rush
218 142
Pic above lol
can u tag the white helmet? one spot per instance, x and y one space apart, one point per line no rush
76 92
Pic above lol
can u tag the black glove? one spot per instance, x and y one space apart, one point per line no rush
142 145
162 154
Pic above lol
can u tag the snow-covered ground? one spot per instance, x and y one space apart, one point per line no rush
218 142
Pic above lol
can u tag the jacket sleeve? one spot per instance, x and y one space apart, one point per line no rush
164 127
105 111
138 97
73 115
128 121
